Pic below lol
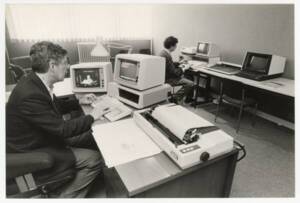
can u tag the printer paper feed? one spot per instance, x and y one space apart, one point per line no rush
178 120
122 142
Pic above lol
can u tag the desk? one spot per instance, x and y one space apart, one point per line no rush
286 87
278 87
141 178
159 176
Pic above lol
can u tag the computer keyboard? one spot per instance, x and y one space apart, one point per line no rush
226 69
251 75
113 108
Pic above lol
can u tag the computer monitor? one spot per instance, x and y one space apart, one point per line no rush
207 49
139 71
202 48
265 64
91 77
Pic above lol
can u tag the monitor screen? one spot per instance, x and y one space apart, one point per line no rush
257 63
202 48
129 70
87 77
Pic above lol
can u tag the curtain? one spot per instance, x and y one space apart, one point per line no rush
78 21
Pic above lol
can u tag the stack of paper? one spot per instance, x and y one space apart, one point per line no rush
63 88
178 120
122 142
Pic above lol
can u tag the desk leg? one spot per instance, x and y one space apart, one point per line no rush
206 89
197 89
230 173
115 188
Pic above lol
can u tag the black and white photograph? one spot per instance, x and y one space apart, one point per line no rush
150 100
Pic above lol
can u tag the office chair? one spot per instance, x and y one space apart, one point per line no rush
22 180
145 51
16 66
173 96
17 72
36 174
23 61
233 93
116 48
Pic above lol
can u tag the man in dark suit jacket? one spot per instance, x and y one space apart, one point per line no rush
174 74
34 121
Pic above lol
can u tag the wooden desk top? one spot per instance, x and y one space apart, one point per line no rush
279 85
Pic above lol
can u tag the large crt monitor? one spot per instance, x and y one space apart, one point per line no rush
139 71
91 77
264 64
207 49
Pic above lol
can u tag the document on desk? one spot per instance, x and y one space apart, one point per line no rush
63 88
122 142
273 84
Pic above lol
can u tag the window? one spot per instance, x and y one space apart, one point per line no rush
78 21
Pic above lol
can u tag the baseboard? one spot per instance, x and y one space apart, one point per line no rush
269 117
278 121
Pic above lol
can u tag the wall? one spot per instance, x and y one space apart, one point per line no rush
21 48
235 28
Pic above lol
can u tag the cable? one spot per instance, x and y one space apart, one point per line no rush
241 147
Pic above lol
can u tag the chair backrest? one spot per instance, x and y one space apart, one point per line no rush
17 72
118 48
233 89
84 53
145 51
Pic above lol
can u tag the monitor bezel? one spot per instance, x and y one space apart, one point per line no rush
250 54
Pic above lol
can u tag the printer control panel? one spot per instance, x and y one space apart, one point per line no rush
189 149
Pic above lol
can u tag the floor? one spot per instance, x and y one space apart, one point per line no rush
268 168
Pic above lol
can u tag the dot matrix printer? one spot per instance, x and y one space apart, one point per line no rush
187 138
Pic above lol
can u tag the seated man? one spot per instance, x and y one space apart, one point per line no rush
174 75
34 121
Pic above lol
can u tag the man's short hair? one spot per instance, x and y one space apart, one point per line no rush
42 52
170 42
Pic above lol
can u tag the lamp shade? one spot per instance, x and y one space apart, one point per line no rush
99 50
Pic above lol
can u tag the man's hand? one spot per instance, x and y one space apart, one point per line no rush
98 111
87 99
184 67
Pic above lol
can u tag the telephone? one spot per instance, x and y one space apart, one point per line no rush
113 109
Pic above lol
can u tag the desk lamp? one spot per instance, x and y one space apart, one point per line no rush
99 49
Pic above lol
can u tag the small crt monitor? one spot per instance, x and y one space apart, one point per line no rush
139 71
207 49
91 77
264 64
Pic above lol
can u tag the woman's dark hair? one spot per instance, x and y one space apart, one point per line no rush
170 42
